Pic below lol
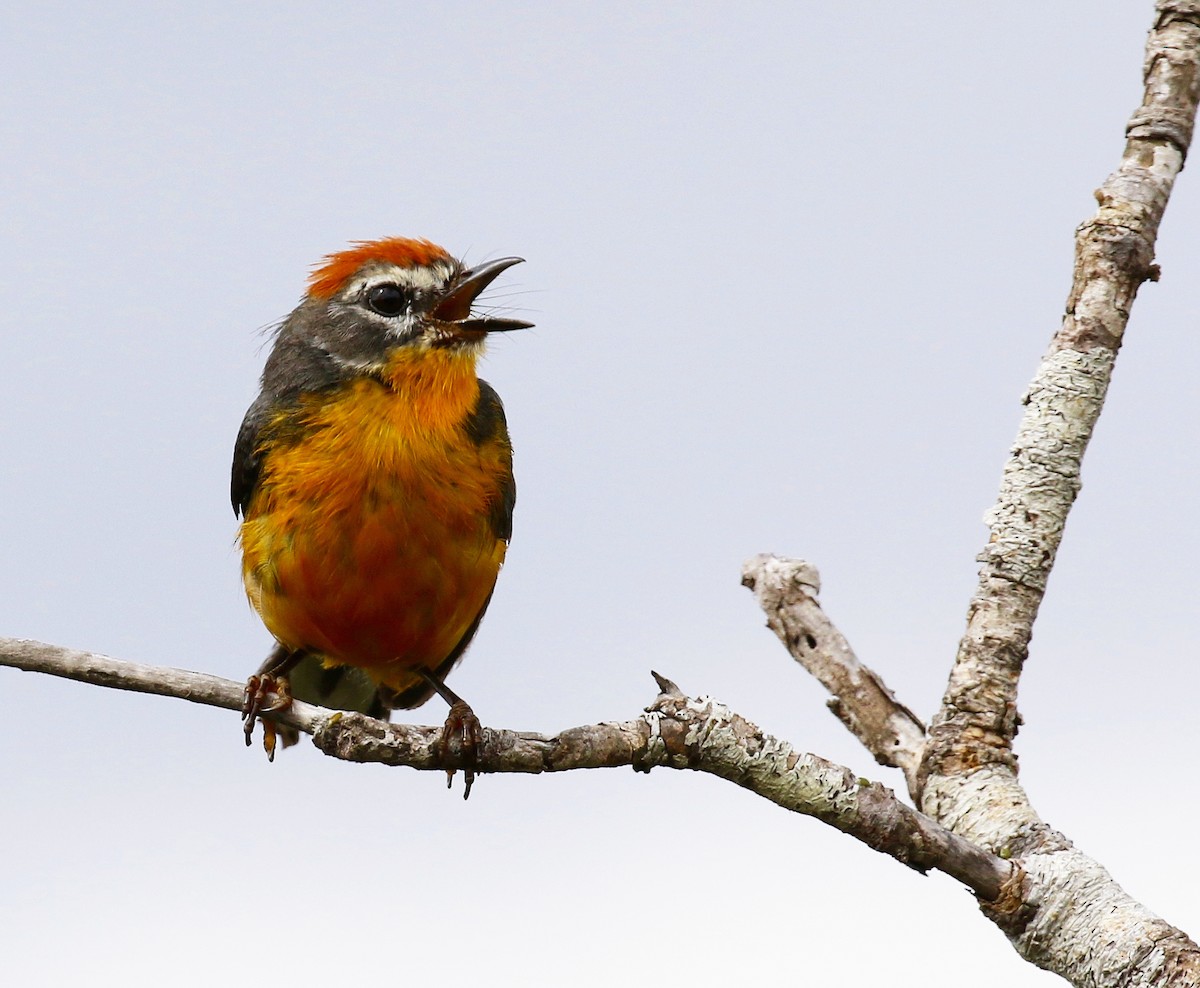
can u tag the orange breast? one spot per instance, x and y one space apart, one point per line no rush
368 539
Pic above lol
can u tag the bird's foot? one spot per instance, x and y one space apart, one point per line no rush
264 693
462 735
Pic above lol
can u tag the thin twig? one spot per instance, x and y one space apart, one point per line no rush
787 590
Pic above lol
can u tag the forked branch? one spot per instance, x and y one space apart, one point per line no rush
1077 920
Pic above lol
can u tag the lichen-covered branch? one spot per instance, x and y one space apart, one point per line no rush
1070 916
970 740
1114 255
674 732
787 590
1081 923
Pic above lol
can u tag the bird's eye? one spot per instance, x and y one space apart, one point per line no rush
388 300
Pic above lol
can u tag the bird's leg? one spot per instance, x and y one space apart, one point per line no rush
268 690
462 730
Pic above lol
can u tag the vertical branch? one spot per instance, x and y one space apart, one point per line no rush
1114 255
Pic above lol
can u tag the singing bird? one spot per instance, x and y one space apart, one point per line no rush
373 475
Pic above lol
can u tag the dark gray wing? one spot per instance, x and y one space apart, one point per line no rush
298 364
246 459
487 424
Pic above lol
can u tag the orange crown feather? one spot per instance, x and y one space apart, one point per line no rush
336 269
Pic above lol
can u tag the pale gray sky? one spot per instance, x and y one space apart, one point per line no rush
791 267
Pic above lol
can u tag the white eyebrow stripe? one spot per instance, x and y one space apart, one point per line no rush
419 279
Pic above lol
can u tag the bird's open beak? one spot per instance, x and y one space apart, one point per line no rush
454 309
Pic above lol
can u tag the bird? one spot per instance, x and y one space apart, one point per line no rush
373 478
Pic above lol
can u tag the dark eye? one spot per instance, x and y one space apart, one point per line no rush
387 300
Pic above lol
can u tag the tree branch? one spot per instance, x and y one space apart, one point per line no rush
787 590
1114 254
675 732
1074 919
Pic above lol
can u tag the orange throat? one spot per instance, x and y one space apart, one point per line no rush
438 384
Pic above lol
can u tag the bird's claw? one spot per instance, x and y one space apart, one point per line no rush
263 694
462 734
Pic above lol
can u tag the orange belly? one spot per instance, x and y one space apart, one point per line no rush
369 539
